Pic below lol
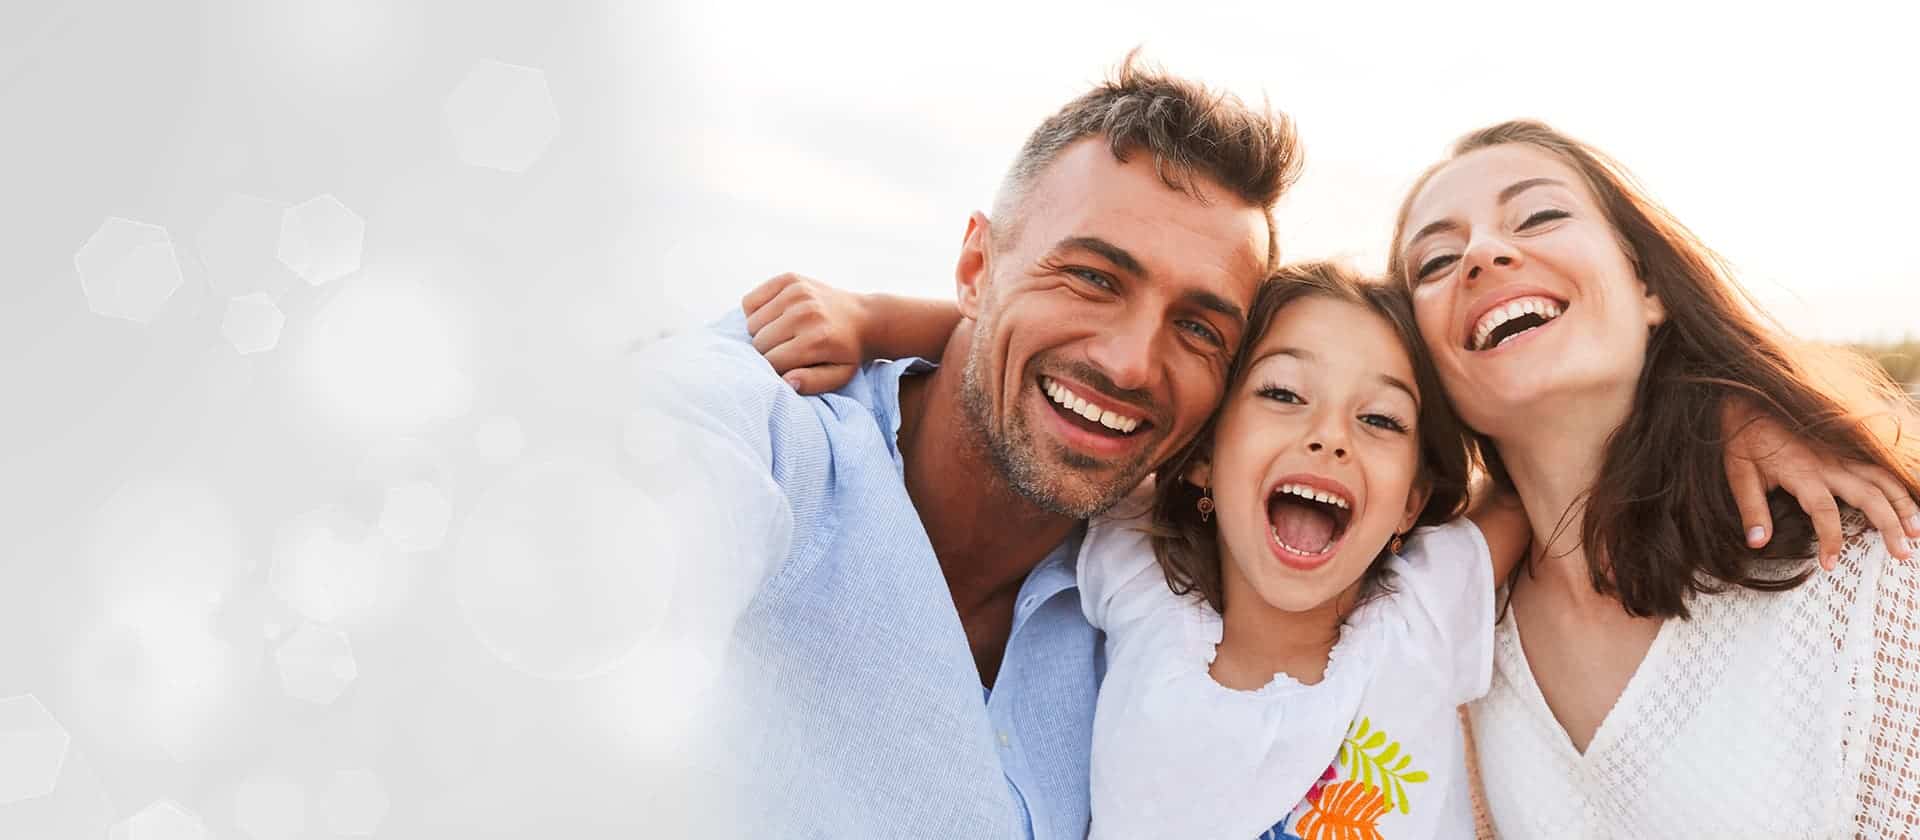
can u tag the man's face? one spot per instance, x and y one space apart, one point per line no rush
1102 334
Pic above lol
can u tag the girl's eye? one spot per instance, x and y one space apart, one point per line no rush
1279 394
1543 217
1384 421
1433 265
1091 276
1201 331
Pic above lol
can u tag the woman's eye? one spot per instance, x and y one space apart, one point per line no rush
1279 394
1433 265
1542 217
1201 331
1384 421
1091 276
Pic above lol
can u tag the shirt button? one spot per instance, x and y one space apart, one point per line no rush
1003 739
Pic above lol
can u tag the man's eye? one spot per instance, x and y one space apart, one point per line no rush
1432 266
1202 332
1091 276
1543 217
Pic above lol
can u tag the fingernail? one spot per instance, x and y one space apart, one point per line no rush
792 381
1755 535
1913 524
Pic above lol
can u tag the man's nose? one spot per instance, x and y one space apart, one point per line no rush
1125 354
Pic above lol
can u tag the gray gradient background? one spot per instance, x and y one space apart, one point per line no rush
425 562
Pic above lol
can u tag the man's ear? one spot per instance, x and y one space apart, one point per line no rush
1416 501
975 267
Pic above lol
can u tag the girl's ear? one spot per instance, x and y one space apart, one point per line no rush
1199 473
1416 501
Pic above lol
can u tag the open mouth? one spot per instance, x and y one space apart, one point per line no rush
1087 416
1307 522
1512 319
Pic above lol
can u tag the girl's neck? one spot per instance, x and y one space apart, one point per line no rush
1258 641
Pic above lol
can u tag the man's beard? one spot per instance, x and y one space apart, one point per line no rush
1015 457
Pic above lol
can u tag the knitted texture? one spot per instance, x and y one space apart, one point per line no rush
1792 714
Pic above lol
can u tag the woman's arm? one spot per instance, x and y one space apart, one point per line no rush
816 336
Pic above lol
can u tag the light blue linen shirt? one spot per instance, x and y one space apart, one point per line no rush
862 712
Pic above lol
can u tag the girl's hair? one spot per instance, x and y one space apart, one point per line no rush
1188 549
1660 520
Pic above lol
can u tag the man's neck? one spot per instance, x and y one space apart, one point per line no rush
986 536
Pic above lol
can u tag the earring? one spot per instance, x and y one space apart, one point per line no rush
1394 544
1205 504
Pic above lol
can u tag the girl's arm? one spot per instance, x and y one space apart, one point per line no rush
1503 522
816 336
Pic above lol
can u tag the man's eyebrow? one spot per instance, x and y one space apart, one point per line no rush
1111 252
1519 187
1215 303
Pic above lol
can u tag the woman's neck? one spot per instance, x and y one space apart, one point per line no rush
1554 464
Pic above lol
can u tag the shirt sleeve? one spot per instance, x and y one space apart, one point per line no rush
1119 578
1443 588
743 454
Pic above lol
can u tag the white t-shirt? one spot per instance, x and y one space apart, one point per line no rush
1376 742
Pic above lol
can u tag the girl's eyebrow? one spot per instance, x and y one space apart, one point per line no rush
1394 382
1306 355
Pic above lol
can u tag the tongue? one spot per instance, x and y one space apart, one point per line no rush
1302 524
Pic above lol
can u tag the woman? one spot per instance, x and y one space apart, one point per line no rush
1672 681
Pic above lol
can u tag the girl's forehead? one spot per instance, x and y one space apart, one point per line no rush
1334 333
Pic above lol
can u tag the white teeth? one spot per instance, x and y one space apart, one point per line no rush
1321 496
1546 308
1070 401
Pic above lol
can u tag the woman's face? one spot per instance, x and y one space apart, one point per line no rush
1315 458
1523 291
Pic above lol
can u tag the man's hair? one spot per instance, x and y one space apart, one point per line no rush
1191 132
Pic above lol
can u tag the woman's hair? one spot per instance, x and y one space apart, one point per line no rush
1188 548
1660 521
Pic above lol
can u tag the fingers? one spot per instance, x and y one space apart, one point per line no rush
1817 501
1874 501
1896 494
819 379
782 330
790 299
765 292
1750 495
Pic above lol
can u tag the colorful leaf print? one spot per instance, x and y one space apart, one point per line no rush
1373 760
1346 811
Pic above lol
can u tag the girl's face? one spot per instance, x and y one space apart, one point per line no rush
1315 457
1523 291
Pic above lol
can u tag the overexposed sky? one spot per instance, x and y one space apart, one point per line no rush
866 131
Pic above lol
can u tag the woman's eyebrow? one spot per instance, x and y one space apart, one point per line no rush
1519 187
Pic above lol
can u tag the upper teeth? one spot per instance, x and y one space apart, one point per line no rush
1075 403
1544 307
1305 492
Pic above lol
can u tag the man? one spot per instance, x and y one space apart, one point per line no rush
917 664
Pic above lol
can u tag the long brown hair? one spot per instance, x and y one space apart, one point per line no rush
1660 521
1188 548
